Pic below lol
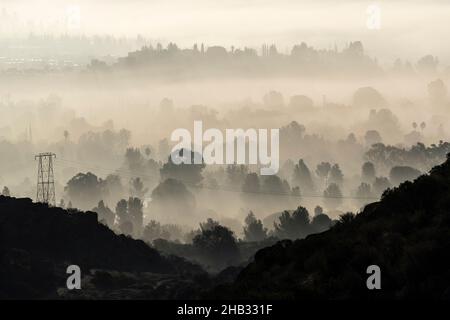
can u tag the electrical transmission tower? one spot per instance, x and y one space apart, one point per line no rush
45 181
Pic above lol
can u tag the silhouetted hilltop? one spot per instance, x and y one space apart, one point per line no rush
172 61
407 234
38 243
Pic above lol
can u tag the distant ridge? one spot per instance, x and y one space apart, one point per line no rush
407 234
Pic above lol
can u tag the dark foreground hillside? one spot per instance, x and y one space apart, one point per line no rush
407 234
38 243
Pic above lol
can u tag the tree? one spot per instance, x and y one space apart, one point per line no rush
6 192
137 188
148 152
134 160
372 137
368 172
380 184
251 183
423 125
210 224
363 194
336 175
274 185
189 174
437 92
273 99
136 214
398 174
301 102
302 177
323 170
172 200
254 229
346 218
368 97
122 211
293 226
105 214
318 210
153 230
321 222
113 188
332 196
217 246
427 64
85 190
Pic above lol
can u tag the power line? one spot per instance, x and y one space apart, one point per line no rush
132 175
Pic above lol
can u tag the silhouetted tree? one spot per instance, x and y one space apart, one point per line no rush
105 214
323 170
254 229
427 64
302 177
136 214
399 174
153 231
346 218
122 212
380 184
188 173
273 99
368 97
372 137
217 246
210 224
368 172
336 175
301 102
321 222
437 91
137 188
85 190
295 226
171 199
318 210
273 184
363 194
6 192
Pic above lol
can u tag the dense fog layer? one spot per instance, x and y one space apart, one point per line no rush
355 117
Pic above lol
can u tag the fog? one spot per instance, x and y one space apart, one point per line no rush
243 23
340 94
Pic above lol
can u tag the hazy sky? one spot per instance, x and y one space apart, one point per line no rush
408 28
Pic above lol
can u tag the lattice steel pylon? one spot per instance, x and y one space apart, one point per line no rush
46 179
